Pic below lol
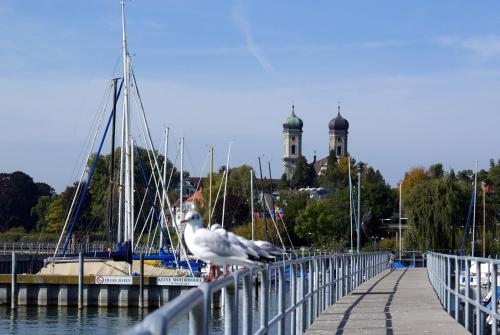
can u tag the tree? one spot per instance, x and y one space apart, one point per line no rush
40 211
304 175
336 176
292 202
325 223
18 194
58 210
284 183
436 171
413 177
378 198
433 207
237 197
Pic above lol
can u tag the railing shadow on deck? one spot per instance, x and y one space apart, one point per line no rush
315 283
387 314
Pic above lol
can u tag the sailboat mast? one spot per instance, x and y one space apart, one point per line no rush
350 198
163 216
474 213
210 187
182 180
225 185
112 167
251 205
126 131
266 227
272 190
132 207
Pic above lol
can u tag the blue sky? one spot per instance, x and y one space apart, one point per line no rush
419 81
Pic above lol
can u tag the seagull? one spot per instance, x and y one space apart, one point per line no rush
270 248
236 240
250 246
210 246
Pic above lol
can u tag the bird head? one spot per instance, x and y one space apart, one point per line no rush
216 226
192 218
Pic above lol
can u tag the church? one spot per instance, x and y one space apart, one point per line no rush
338 129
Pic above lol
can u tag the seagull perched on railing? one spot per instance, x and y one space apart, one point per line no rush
270 248
236 241
211 246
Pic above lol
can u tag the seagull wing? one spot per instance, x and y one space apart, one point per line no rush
216 244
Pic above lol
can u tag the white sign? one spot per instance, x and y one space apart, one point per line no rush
113 280
179 281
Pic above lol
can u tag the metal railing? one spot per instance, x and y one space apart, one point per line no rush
467 289
48 248
315 283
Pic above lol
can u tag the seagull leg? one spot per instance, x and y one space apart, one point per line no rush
211 272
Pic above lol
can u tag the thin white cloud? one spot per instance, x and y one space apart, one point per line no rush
484 48
239 15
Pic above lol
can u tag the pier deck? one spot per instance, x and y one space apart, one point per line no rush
400 302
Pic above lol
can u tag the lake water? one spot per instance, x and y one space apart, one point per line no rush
101 320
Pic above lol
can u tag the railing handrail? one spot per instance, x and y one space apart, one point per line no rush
329 277
446 273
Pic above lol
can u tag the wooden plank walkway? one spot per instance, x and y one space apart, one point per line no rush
398 302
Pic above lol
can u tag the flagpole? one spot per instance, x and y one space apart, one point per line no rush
474 213
484 218
350 199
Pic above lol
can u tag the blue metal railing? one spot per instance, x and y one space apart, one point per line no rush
315 283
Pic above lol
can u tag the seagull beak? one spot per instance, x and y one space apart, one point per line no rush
183 221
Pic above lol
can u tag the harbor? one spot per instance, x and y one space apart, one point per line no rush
249 167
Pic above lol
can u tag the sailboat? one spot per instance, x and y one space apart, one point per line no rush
123 253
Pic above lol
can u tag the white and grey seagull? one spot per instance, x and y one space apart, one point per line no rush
270 248
210 246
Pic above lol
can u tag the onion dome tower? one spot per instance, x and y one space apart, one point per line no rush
292 142
337 135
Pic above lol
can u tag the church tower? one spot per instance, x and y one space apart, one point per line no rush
337 135
292 143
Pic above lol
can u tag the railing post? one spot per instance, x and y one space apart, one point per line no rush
231 309
264 297
331 291
324 282
302 319
448 285
494 299
467 313
457 287
293 298
342 276
317 294
281 300
141 280
197 317
80 279
247 303
310 289
13 283
479 321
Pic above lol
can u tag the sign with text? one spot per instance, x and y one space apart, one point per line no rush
113 280
179 281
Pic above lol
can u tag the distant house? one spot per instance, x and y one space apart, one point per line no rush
188 189
316 193
320 166
188 204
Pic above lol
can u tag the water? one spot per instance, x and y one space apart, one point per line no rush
108 320
67 320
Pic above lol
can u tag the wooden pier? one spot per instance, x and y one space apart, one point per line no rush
398 302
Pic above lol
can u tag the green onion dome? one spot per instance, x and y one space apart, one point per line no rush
293 121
